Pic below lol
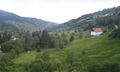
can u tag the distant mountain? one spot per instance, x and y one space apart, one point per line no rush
13 22
106 17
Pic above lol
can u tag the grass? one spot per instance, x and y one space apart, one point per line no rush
87 50
108 51
85 43
26 57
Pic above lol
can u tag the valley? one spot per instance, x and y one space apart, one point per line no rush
35 45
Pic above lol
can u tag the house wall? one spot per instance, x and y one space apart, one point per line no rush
96 33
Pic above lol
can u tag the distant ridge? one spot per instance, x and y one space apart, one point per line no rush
87 21
13 22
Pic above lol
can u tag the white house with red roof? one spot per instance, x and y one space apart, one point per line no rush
96 31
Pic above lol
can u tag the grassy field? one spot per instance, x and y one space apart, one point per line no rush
87 50
26 57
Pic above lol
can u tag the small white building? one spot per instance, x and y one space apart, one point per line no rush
14 38
96 31
116 27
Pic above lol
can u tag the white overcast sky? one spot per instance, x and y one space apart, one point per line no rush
58 11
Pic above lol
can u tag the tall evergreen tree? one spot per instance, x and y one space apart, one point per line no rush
27 41
72 38
45 39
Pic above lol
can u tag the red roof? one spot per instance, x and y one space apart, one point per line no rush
97 29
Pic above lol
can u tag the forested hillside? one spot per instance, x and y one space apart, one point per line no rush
105 18
13 22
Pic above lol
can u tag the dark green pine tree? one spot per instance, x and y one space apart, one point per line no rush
71 38
27 41
45 39
5 36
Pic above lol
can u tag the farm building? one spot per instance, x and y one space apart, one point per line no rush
96 31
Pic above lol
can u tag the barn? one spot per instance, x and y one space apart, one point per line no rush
96 31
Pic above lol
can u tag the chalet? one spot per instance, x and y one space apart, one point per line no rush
116 27
14 38
96 31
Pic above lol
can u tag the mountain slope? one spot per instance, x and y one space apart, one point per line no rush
106 17
98 50
10 21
